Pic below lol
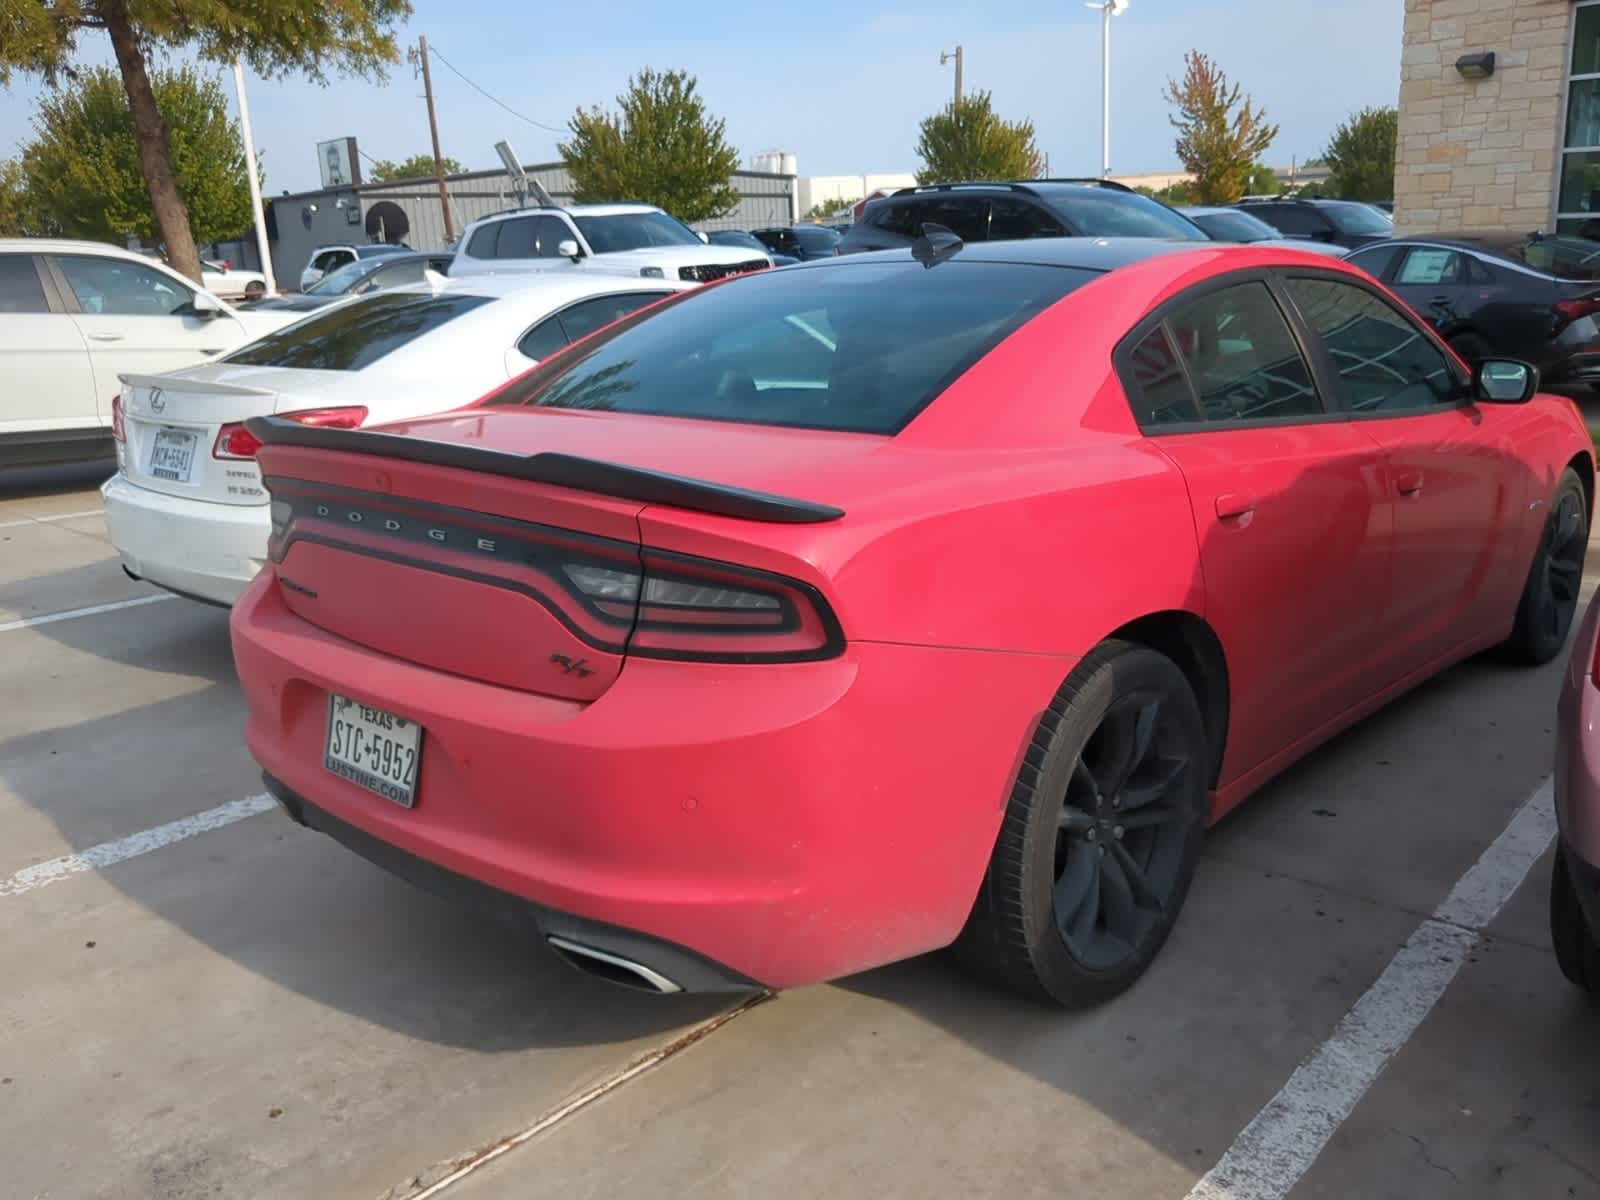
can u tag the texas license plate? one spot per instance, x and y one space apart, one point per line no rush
373 748
172 454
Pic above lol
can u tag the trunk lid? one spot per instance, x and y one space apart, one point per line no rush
526 569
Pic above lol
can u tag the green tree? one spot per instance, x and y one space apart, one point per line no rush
662 148
1175 194
83 171
1263 181
418 166
40 37
1361 155
970 142
1221 133
830 206
19 216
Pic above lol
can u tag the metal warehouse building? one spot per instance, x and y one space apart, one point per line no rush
409 211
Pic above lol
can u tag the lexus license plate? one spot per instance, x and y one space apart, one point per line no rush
373 748
172 455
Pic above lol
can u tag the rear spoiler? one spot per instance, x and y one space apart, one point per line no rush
561 470
179 383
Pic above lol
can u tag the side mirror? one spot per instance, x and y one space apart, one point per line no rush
206 305
1505 381
568 248
701 234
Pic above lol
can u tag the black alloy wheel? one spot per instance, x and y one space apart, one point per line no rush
1550 595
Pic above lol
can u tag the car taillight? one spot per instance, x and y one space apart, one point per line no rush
688 608
1573 310
236 442
118 430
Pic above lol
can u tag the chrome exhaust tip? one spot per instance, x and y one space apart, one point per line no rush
612 967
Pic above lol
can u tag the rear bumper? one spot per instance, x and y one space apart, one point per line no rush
787 824
197 548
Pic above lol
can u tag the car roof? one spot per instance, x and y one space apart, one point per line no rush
559 287
1089 254
1206 210
69 246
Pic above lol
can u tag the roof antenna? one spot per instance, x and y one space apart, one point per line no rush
937 244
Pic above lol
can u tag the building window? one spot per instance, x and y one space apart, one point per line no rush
1578 189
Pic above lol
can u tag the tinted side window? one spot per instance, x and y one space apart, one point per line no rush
112 287
1292 219
1430 265
543 340
20 289
1385 363
897 218
584 318
1375 260
1158 387
356 335
531 237
1242 357
395 276
1012 219
482 242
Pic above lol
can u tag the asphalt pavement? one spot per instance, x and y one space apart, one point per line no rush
203 1000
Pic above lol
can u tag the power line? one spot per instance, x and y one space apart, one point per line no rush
536 124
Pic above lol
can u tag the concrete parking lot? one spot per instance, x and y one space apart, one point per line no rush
203 1000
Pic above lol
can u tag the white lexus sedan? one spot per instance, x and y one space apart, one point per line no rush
187 509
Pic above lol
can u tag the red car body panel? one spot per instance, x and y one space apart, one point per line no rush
800 821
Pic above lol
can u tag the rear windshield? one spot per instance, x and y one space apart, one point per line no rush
850 346
1358 218
816 238
351 336
1566 258
1235 227
1120 214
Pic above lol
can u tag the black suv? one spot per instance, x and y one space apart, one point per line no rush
1340 222
991 212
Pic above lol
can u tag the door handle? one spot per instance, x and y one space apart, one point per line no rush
1233 505
1408 483
106 337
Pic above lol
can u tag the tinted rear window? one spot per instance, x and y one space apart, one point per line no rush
1119 214
356 335
816 238
852 346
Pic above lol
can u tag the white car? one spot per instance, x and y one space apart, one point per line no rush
74 316
220 279
187 509
330 258
624 239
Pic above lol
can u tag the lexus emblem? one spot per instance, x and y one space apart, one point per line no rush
158 402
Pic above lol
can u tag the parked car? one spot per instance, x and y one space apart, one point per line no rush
625 239
981 212
802 242
1386 207
357 278
1532 298
738 237
220 278
1337 222
768 591
1575 876
187 509
76 315
330 258
1227 224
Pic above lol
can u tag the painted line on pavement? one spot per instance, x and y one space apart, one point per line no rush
92 610
106 853
71 516
1279 1145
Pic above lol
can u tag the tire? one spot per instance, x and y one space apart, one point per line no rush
1123 737
254 290
1472 348
1550 594
1577 953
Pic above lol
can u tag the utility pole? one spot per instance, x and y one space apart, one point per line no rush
250 166
944 57
433 128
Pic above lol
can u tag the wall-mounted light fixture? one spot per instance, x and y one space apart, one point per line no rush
1476 66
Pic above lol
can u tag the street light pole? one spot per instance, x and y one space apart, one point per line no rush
1108 9
256 207
944 57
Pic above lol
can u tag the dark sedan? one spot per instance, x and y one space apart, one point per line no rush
358 278
800 241
1534 298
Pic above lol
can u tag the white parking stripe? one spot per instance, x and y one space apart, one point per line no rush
71 516
106 853
92 610
1284 1139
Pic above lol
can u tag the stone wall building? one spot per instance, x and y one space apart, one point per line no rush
1516 150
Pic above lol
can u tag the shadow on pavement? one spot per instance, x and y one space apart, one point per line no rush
33 482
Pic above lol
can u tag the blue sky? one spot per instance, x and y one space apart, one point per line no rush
842 85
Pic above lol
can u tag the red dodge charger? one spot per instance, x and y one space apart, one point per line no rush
832 615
